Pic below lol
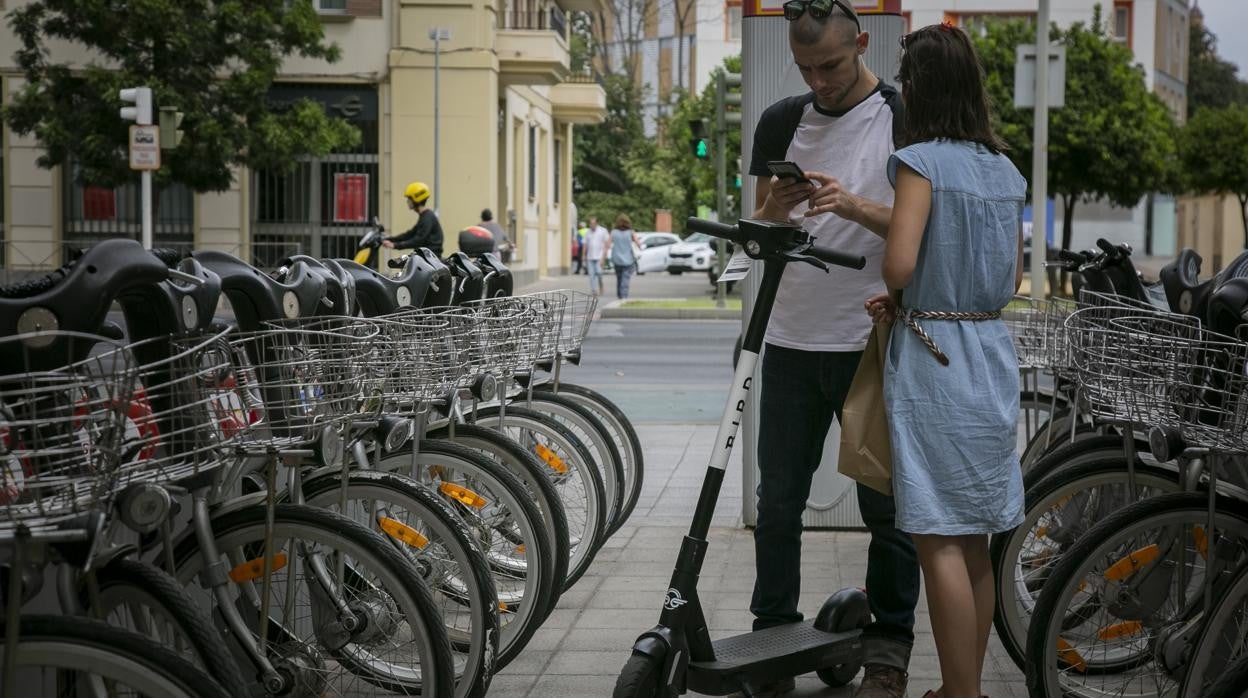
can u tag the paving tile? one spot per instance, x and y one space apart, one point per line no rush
512 684
618 640
530 662
570 686
586 663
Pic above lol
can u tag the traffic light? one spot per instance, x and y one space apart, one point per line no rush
170 131
141 98
701 147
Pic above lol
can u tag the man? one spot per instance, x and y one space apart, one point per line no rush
595 254
488 222
427 232
818 329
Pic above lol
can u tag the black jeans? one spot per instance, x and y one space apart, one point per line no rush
801 392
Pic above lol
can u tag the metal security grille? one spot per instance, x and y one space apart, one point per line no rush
321 206
90 213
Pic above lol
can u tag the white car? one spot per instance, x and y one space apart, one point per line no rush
694 253
654 247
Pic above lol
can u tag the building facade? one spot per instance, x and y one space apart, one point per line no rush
506 108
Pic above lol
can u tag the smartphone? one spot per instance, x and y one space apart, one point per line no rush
787 170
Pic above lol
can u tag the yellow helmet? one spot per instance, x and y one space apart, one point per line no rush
418 192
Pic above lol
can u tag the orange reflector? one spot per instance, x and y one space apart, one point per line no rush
1202 541
1132 563
554 461
1069 655
1042 532
502 606
463 495
254 569
520 549
1120 630
402 532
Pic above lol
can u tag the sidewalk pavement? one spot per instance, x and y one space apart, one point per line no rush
581 648
652 286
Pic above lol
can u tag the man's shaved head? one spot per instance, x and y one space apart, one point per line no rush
807 30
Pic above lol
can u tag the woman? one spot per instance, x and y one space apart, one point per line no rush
623 258
954 250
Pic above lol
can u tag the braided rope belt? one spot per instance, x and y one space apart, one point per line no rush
910 317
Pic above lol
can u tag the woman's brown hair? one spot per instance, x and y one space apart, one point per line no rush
942 86
623 222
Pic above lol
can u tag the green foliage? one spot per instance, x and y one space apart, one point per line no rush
1211 81
212 60
1113 140
619 169
1213 146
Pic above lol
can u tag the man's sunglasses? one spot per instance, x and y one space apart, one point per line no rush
819 9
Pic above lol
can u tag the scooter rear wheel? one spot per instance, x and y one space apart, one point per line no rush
639 678
844 611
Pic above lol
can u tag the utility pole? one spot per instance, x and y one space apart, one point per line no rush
1040 156
723 118
438 34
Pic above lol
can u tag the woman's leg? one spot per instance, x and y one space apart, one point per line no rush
979 568
955 616
626 279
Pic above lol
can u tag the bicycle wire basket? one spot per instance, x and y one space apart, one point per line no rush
61 429
508 333
305 376
1038 328
420 356
576 312
187 414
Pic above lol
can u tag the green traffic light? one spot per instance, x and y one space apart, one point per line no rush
701 150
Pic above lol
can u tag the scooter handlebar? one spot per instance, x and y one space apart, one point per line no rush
714 229
840 259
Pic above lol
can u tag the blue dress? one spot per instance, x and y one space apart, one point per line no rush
953 428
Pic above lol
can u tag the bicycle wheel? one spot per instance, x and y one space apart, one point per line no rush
1222 641
532 474
569 468
81 657
325 561
1036 410
1233 683
600 446
1058 510
505 524
139 597
423 527
626 441
1122 590
1087 450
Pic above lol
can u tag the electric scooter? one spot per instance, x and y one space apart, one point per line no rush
677 655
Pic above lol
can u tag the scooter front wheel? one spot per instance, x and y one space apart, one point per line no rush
640 677
844 611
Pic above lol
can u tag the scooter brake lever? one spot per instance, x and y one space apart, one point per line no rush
798 255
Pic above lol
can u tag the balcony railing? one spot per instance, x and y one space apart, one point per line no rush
552 19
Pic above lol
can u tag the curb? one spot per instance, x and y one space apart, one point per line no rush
608 313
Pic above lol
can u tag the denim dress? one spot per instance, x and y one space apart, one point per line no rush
955 466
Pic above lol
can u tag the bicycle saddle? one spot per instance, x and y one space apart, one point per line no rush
469 279
1185 292
378 294
498 281
74 298
171 307
257 298
339 285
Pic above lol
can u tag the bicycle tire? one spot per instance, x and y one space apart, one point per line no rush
1066 580
594 434
1208 661
1083 451
1014 595
1233 683
162 590
576 462
74 643
433 647
627 441
444 529
1041 403
525 466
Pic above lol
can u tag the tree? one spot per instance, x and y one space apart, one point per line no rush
213 60
1211 81
1113 140
1213 146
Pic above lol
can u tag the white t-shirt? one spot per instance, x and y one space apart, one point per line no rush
814 310
596 243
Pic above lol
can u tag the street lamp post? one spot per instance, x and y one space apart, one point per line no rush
438 34
1040 156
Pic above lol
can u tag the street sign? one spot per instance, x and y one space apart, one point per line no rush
144 147
1025 76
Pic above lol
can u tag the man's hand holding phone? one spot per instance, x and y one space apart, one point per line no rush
789 187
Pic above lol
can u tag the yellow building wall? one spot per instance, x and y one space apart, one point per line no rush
1213 226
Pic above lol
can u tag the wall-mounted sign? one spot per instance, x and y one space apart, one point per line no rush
350 197
767 8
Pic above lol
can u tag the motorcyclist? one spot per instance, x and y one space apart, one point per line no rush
427 232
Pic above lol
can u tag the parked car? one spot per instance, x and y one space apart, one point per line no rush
694 253
654 248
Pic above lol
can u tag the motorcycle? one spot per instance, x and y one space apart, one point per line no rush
366 250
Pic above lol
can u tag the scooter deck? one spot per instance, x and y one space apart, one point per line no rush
777 652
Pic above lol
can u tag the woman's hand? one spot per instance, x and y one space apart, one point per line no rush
881 307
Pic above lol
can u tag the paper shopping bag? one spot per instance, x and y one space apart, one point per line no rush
866 454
